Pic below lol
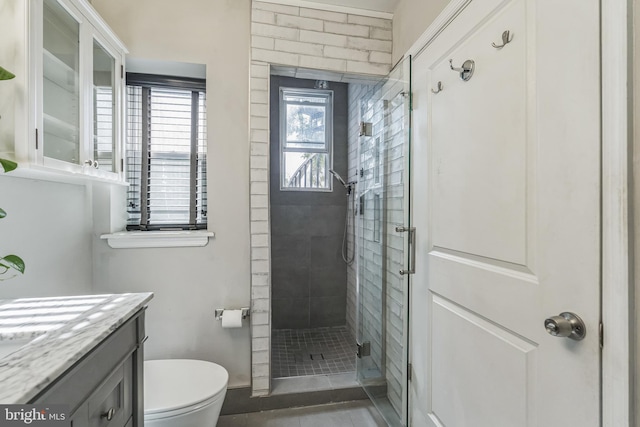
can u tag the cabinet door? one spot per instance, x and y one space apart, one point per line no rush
104 111
110 405
61 82
81 417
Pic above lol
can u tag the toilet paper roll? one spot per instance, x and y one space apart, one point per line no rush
232 319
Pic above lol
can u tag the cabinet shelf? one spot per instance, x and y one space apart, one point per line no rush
60 128
59 73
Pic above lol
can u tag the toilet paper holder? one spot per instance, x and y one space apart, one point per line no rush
246 312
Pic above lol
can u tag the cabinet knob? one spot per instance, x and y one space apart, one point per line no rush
88 162
108 415
95 164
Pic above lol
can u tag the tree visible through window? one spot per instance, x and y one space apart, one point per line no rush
306 139
166 153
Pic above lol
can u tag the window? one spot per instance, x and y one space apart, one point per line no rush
166 153
306 130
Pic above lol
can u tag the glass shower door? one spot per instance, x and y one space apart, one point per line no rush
382 245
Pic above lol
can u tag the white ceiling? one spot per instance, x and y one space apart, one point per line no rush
387 6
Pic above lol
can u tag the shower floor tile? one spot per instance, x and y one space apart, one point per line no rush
318 351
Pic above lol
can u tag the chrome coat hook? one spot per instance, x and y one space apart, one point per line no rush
466 71
507 38
439 87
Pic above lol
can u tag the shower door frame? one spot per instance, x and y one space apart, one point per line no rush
406 363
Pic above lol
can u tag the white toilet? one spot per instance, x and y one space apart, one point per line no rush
183 393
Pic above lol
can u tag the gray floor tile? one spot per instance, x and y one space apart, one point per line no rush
232 421
334 417
348 414
279 418
366 415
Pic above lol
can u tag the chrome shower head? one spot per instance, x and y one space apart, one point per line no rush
339 178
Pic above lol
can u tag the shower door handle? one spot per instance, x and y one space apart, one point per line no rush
412 248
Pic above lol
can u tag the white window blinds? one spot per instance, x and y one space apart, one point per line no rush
166 153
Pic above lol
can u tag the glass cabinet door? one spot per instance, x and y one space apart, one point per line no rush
61 83
104 135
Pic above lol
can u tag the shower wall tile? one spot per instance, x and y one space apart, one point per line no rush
290 281
357 92
307 229
326 220
289 219
324 15
327 282
327 311
290 251
290 313
271 22
327 251
372 22
324 38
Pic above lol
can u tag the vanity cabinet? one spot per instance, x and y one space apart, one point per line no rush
105 387
69 92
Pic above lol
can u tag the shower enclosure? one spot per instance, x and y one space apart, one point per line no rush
383 237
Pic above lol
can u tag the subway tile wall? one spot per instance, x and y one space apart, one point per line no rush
295 37
381 254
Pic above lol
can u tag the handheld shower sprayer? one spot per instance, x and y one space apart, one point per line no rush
347 255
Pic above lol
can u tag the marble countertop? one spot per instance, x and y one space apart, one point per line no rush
50 334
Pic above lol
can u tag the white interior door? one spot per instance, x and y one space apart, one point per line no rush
506 190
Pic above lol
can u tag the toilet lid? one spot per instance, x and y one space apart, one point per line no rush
177 383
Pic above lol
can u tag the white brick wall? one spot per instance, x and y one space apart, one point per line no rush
357 93
307 38
311 31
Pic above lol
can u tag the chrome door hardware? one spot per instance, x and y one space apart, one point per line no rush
566 325
507 38
366 129
412 245
467 69
439 88
109 414
364 349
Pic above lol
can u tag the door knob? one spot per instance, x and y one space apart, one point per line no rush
109 414
566 325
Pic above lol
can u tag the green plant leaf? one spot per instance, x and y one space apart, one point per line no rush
8 165
2 213
14 262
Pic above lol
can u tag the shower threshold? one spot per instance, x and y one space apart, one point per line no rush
312 383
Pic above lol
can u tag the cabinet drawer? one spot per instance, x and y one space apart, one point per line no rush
110 405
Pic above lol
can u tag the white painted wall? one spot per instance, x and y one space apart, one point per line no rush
410 19
190 283
48 226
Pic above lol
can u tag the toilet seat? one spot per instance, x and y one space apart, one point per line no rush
177 386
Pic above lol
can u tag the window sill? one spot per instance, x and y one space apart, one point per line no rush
157 239
45 173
